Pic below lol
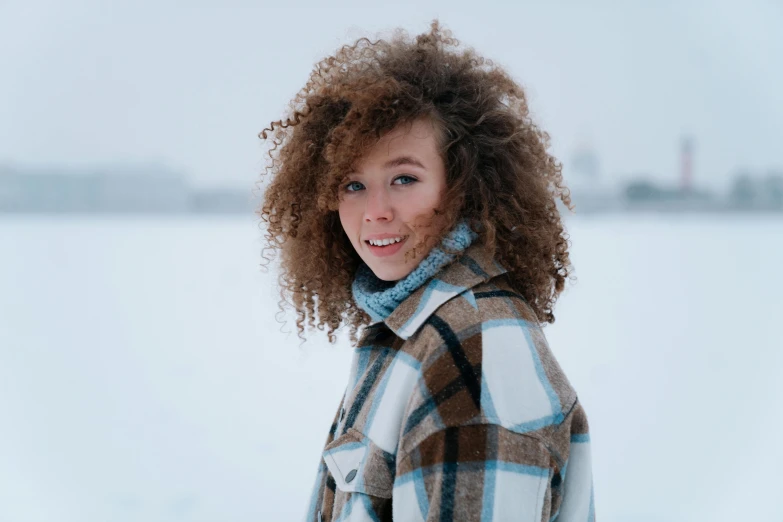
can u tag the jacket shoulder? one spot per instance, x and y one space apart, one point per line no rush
485 360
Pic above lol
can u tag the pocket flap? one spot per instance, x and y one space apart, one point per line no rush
358 465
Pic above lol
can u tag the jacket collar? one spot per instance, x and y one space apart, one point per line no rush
475 266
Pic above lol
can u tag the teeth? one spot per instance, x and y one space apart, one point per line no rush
384 242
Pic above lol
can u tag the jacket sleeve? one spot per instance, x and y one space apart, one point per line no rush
485 472
493 430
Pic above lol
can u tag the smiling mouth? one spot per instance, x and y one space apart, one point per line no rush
382 243
380 249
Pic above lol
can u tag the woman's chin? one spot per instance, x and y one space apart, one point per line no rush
390 272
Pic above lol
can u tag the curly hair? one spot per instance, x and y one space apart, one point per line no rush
500 177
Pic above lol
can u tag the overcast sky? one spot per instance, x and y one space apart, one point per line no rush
88 81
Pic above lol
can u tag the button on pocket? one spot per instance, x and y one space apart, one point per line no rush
358 465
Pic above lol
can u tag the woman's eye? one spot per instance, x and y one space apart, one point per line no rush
353 186
404 180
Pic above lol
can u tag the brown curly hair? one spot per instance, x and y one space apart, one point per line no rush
500 176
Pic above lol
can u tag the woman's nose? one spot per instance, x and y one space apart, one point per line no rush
378 207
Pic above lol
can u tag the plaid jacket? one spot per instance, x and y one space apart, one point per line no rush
456 409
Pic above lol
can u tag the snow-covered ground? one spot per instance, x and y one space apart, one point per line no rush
143 375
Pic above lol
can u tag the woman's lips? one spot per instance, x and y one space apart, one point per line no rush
388 250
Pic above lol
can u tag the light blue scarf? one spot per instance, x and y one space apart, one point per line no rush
380 298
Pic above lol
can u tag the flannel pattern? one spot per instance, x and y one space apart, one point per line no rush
456 409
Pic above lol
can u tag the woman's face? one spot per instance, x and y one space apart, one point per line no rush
387 204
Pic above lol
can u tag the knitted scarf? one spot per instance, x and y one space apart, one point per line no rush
379 298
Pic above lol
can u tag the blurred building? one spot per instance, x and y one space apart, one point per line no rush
644 194
686 164
757 191
582 174
222 201
143 189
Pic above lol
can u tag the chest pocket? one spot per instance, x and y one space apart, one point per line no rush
359 466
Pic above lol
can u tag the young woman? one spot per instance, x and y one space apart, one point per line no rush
413 200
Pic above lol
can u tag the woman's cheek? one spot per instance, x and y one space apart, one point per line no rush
346 218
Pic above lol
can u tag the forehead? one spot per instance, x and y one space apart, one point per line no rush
419 139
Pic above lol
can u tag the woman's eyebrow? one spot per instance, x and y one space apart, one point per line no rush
403 160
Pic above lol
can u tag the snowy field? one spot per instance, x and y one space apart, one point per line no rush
143 376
